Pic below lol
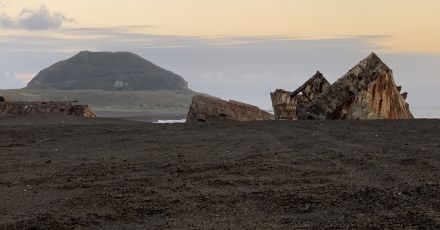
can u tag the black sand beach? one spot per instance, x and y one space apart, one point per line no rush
113 174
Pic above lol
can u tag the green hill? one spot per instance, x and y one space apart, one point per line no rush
115 71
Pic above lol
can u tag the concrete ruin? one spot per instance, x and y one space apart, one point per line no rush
286 105
367 91
65 108
209 109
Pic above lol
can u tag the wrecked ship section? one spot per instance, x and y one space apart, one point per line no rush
287 105
367 91
210 109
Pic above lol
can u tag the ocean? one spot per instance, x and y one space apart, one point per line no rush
426 112
170 121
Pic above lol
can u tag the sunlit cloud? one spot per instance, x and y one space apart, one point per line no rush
14 80
35 19
24 77
3 3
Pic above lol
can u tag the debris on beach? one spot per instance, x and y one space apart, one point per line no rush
66 108
287 104
210 109
367 91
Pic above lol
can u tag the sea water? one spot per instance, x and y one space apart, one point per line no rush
426 112
170 121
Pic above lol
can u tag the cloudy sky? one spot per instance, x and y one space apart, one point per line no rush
235 49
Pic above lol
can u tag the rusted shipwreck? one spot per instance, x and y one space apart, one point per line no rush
367 91
65 108
287 104
210 109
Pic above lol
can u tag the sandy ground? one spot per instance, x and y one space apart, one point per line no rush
110 174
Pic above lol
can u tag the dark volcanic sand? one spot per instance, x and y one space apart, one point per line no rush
110 174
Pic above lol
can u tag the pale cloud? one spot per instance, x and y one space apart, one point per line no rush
313 19
24 77
14 80
35 19
3 3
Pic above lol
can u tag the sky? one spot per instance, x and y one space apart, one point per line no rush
234 49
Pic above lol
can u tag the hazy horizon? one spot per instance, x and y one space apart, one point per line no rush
238 50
